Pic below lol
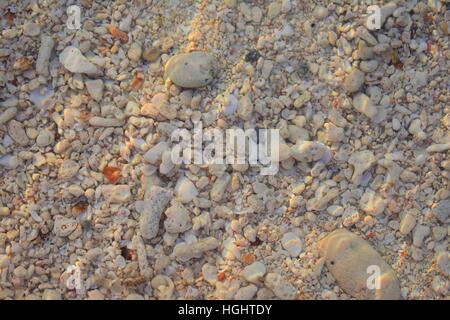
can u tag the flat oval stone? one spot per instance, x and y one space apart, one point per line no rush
352 260
190 70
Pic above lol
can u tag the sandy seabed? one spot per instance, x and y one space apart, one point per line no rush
93 207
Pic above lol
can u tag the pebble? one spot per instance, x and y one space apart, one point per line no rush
190 70
68 169
155 201
116 193
333 133
320 12
9 161
74 61
187 251
369 66
7 115
280 286
44 54
372 203
407 224
154 154
439 233
125 24
361 161
419 234
309 151
245 108
17 132
209 272
442 210
177 219
335 210
31 29
347 257
93 254
95 88
219 187
63 226
105 122
292 244
442 262
185 190
4 261
420 79
273 10
246 293
135 52
151 54
363 104
354 81
45 138
254 272
4 211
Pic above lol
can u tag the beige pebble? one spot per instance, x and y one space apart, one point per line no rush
68 169
190 70
17 133
95 88
407 224
354 81
349 258
7 115
116 193
186 251
155 201
45 138
105 122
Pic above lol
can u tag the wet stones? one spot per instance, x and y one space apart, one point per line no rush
190 70
348 258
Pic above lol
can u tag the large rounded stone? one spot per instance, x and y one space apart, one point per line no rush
354 264
190 70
